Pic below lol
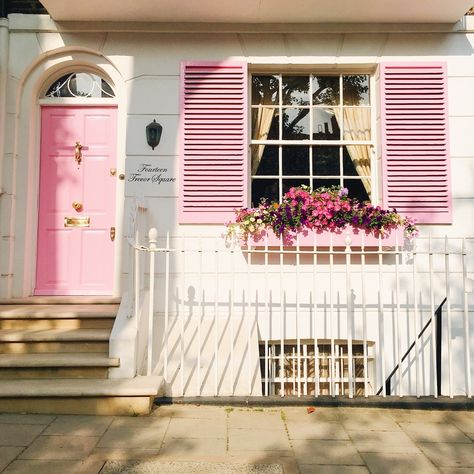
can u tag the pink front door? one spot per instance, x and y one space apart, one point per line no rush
75 254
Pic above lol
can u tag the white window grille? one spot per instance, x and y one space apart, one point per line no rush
302 371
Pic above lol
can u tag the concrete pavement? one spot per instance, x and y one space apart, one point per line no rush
220 440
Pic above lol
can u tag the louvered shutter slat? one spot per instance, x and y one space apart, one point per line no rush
415 141
214 141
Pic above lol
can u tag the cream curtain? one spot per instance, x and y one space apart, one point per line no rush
357 127
262 121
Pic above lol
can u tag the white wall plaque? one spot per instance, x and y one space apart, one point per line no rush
146 176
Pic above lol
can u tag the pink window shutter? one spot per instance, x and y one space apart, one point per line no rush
213 141
415 146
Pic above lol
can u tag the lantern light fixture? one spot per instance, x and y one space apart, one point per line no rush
153 134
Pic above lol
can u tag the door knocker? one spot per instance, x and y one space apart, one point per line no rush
78 153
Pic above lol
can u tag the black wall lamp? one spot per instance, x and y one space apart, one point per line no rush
153 134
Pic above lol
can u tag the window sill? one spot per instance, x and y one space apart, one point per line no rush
325 238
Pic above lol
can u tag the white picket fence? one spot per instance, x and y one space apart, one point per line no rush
218 319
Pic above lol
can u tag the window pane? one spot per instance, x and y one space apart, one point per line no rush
264 188
325 90
80 84
317 183
265 160
356 161
296 124
357 189
355 90
265 124
293 183
295 160
325 125
265 90
295 90
326 160
357 123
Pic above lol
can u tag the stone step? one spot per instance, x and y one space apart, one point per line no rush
106 397
55 365
56 323
96 300
55 335
14 361
14 341
57 311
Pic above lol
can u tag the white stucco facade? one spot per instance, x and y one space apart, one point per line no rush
143 66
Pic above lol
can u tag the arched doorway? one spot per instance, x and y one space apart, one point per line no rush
77 187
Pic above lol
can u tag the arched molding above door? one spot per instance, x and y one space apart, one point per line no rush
30 94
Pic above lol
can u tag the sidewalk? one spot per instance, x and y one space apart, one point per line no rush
218 440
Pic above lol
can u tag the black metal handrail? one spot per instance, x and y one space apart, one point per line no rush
438 335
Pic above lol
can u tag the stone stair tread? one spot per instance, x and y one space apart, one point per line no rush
59 311
26 388
42 300
54 335
45 360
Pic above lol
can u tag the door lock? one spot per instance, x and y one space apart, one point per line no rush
112 234
76 205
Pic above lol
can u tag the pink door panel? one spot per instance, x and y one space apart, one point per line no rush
76 260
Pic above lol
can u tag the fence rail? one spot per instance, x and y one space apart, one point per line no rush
222 319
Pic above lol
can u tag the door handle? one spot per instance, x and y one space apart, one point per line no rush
112 234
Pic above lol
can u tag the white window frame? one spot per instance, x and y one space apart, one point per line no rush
310 143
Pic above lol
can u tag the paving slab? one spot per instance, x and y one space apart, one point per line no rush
372 420
129 438
435 433
48 467
158 467
191 411
393 463
420 416
196 428
326 452
25 419
60 447
258 440
464 421
319 413
450 454
250 419
78 425
140 422
19 435
8 454
193 448
120 454
383 442
312 428
311 469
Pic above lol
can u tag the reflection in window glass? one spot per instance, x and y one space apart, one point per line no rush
357 189
295 90
326 161
265 90
325 125
295 160
264 188
355 90
326 182
293 183
356 160
265 123
325 90
265 160
296 124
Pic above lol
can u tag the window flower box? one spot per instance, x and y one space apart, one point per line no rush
323 218
324 238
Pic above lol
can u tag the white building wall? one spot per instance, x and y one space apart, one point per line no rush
144 67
